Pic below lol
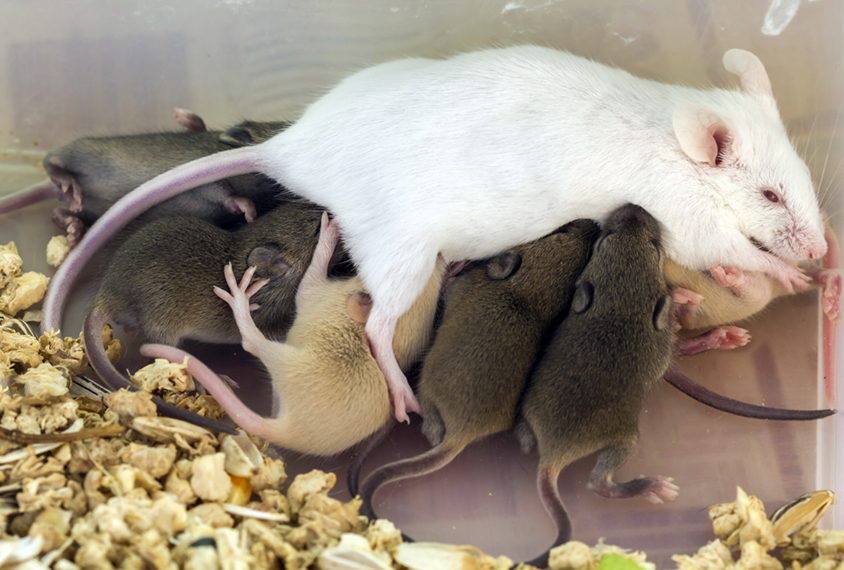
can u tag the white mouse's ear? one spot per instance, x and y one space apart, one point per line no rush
701 132
754 78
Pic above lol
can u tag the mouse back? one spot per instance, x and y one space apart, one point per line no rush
613 346
161 281
495 317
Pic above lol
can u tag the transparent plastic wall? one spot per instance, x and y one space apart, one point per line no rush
99 67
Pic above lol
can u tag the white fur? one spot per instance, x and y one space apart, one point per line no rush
486 150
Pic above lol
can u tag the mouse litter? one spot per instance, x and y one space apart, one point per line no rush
86 483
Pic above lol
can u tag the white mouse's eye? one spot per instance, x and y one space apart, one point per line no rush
770 195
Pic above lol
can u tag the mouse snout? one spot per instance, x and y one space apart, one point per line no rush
631 216
582 226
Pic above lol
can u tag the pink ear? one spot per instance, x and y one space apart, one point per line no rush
754 78
699 132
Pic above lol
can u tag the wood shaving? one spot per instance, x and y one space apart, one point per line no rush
57 250
22 292
10 263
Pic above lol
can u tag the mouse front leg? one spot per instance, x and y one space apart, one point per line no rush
238 299
317 272
70 223
653 489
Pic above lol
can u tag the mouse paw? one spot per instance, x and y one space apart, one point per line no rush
727 276
661 489
719 338
682 296
189 120
404 401
789 275
830 281
240 205
229 381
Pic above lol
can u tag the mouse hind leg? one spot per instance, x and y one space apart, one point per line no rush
654 489
394 282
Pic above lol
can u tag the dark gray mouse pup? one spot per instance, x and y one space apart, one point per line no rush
587 389
161 279
92 173
496 317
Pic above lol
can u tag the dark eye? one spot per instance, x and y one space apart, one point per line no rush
771 195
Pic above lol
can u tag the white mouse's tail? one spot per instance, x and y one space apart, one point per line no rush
185 177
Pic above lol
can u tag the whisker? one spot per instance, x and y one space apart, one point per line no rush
829 148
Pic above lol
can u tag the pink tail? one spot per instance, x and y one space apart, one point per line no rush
240 413
832 260
185 177
31 195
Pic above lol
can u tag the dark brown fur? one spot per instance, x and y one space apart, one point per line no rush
496 316
587 390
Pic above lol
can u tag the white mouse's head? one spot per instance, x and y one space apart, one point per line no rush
744 154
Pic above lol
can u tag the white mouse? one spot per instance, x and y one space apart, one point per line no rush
474 154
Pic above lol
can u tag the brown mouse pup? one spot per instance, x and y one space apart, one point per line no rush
587 389
92 173
329 392
161 279
496 316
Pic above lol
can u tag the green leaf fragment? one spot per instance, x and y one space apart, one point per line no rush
617 562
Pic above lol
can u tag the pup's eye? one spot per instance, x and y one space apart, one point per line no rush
770 195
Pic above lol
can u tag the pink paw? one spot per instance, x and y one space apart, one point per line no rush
661 490
229 381
830 281
682 296
404 401
239 205
719 338
789 276
189 120
239 294
726 277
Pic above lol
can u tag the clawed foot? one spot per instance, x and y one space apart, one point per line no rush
239 294
830 281
189 120
229 381
662 489
719 338
682 296
727 276
70 223
240 205
788 275
404 401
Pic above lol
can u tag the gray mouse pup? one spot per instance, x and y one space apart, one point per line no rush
496 316
90 174
587 390
162 277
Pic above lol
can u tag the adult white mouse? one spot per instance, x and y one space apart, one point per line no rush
474 154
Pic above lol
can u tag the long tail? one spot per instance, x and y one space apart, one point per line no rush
430 461
240 412
362 454
547 484
92 334
832 260
719 402
30 195
202 171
